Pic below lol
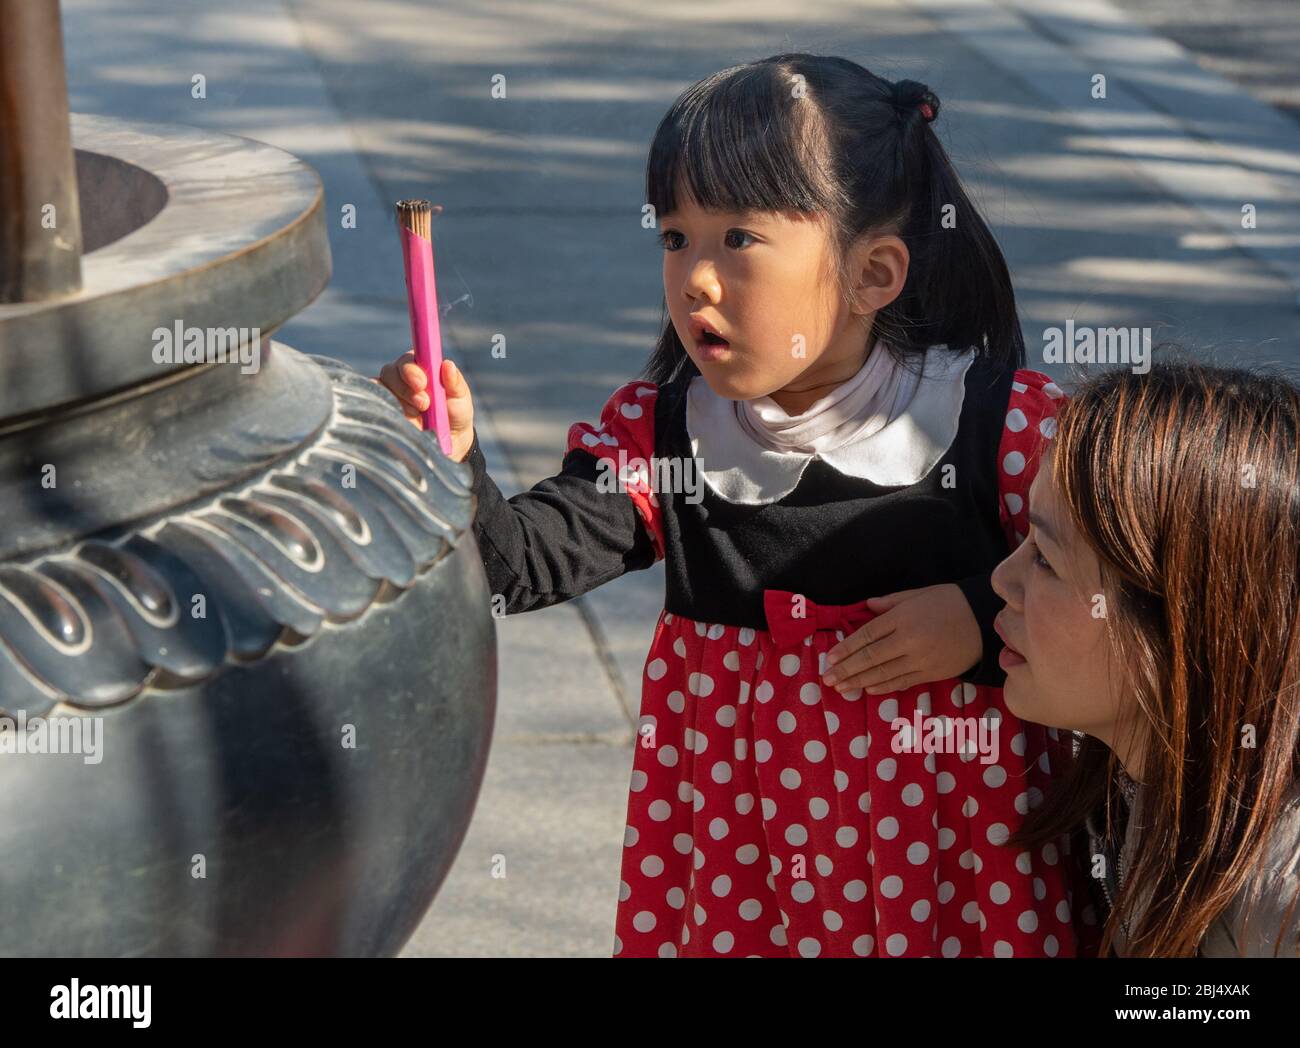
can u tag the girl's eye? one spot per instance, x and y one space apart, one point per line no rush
665 238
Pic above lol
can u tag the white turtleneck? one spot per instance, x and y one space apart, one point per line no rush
889 424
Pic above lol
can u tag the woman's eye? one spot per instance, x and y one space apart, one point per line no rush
665 238
1039 559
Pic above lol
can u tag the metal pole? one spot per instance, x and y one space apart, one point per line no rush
40 217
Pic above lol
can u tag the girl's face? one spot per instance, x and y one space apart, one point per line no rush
765 282
1060 667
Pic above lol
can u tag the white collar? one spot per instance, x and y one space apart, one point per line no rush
900 425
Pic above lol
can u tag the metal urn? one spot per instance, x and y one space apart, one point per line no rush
247 657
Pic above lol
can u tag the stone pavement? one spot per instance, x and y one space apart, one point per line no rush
1122 211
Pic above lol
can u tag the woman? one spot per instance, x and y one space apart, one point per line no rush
1155 609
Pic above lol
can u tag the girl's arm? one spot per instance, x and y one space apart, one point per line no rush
571 532
563 537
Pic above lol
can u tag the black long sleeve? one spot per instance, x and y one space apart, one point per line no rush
559 539
978 590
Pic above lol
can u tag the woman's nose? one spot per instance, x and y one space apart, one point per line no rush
1005 579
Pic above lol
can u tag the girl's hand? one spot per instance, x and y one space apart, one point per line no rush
918 635
407 382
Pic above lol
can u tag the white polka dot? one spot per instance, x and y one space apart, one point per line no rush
920 910
644 921
718 829
887 769
946 839
789 665
790 778
639 781
747 854
994 776
721 885
913 794
722 772
1051 946
679 647
1027 921
999 892
777 935
660 810
699 684
744 803
951 946
944 782
858 747
863 945
1014 502
891 887
814 751
1050 854
785 722
668 756
809 947
630 836
801 891
652 866
1063 912
818 808
887 828
675 898
746 636
726 716
750 910
732 661
764 691
1016 420
796 835
676 701
682 843
1014 463
970 913
946 891
762 751
700 915
846 836
889 710
917 852
896 945
1047 428
656 669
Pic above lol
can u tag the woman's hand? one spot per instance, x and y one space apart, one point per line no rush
408 383
918 635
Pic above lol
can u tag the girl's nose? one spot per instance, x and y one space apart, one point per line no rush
702 282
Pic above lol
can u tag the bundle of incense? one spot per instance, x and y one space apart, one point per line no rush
414 220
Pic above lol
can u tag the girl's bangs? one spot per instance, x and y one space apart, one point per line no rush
734 143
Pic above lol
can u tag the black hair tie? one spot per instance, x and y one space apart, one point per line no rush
911 94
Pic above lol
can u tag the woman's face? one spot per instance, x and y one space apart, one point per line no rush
765 282
1060 669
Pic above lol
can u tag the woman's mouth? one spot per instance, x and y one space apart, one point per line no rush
1008 656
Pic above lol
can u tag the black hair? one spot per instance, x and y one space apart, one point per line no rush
819 134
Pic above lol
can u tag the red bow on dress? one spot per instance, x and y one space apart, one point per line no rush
787 629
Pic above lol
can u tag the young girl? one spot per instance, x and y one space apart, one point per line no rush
839 368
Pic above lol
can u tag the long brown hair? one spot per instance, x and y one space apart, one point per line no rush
1185 482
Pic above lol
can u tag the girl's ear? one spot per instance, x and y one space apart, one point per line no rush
879 266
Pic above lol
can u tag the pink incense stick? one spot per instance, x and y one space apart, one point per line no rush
414 219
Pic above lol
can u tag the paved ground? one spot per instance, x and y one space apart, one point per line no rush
1122 212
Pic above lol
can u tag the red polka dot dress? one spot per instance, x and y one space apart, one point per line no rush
770 815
